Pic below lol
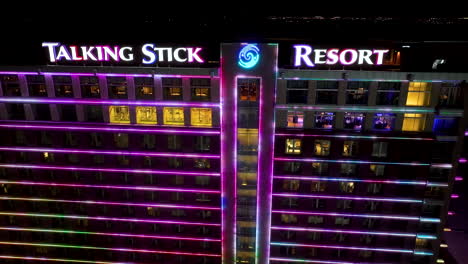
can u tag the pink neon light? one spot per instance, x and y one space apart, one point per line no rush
180 206
310 261
116 219
113 152
372 137
458 178
25 73
43 167
462 160
344 231
348 197
451 213
396 250
60 260
127 187
454 196
396 217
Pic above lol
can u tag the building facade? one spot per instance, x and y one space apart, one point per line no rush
248 162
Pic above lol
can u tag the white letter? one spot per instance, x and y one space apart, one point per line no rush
380 54
74 52
122 54
332 56
193 55
149 53
176 54
319 54
299 55
51 46
112 53
87 53
99 53
364 55
161 53
353 56
63 53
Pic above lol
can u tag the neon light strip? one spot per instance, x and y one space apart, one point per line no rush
112 129
389 250
458 178
462 160
113 152
352 161
442 165
105 218
310 261
44 167
325 230
68 74
24 73
179 206
109 249
358 108
110 74
120 187
361 180
352 136
47 100
60 260
360 198
391 217
107 234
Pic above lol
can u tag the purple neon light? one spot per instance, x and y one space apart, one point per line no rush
451 213
373 137
105 218
390 250
462 160
458 178
359 198
350 161
344 231
177 206
394 217
61 260
315 178
454 196
24 73
109 128
310 261
127 187
68 74
45 167
110 74
113 152
46 100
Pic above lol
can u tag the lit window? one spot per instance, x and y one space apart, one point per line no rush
293 146
119 114
63 86
353 121
347 187
322 147
172 88
379 149
117 87
200 116
414 122
36 85
295 119
288 218
320 168
248 89
10 85
202 164
146 115
384 121
144 87
356 93
349 148
419 94
324 120
378 170
291 185
247 140
200 89
89 87
174 116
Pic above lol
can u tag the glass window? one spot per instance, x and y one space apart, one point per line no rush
144 87
42 112
174 142
10 85
202 143
414 122
94 113
295 119
377 170
67 112
320 168
315 219
344 204
200 116
347 187
379 149
374 188
146 115
353 121
326 92
450 95
322 147
324 120
318 186
350 148
175 163
202 180
288 218
174 116
149 141
293 146
445 126
117 87
297 91
36 85
119 114
292 167
16 111
356 93
202 164
419 94
248 89
172 88
388 93
348 169
90 87
342 221
384 121
121 140
63 86
291 185
200 89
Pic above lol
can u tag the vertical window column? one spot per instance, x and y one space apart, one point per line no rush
131 93
372 93
158 96
104 95
50 87
186 96
28 112
75 82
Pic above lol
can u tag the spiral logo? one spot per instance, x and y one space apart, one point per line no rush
249 56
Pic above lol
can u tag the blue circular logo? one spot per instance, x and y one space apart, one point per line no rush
249 56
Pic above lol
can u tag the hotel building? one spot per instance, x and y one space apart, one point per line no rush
248 162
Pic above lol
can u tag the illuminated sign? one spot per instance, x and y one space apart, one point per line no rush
150 53
305 54
249 56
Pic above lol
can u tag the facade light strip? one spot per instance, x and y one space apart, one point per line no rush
61 260
175 206
108 74
81 127
61 231
357 108
118 187
106 218
352 136
376 216
11 243
359 198
311 261
351 161
141 171
47 100
112 152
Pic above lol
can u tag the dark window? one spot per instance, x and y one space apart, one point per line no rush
297 92
94 113
36 85
445 126
117 87
327 92
388 93
144 87
67 112
10 85
292 167
356 93
172 88
42 112
450 95
173 142
16 112
384 121
202 143
63 86
200 89
90 87
353 121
